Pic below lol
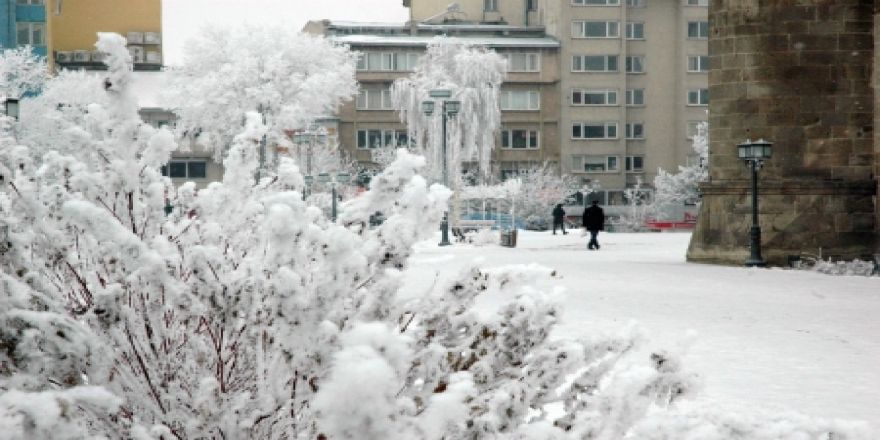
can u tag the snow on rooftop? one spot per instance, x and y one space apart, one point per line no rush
422 41
456 25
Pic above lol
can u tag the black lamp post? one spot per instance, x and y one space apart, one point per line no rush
342 178
754 154
450 108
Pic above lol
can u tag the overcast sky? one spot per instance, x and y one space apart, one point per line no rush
183 18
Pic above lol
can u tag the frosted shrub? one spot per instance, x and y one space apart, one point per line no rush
21 72
855 267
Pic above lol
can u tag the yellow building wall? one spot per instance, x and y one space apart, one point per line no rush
74 24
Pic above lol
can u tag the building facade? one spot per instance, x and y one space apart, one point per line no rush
621 93
23 23
73 26
530 97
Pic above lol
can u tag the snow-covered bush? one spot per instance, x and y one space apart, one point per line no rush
245 314
21 72
288 77
62 105
855 267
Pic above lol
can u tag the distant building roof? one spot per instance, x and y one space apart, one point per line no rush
432 26
423 41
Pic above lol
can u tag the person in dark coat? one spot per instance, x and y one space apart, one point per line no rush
559 219
594 221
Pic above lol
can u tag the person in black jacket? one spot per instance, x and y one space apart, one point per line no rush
594 221
559 219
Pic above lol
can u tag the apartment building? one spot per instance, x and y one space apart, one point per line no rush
633 78
23 23
530 98
73 26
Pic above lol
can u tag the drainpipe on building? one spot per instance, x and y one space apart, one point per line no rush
526 13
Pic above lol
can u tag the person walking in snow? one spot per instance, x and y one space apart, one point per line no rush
594 221
559 219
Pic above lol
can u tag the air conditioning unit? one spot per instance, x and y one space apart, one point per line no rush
152 38
97 57
154 57
135 37
82 56
64 57
137 54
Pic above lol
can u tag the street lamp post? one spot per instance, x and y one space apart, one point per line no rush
754 154
342 178
450 108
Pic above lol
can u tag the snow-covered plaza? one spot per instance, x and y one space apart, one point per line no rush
760 339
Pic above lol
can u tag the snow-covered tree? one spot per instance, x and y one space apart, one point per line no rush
543 187
21 72
62 105
638 207
473 75
683 187
288 77
245 314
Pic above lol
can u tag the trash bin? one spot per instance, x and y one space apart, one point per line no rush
508 238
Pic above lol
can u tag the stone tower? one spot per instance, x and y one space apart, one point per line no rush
797 73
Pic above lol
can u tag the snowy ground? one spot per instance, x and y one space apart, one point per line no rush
766 339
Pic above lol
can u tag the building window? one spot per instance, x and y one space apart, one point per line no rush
520 139
388 61
520 100
186 169
30 2
593 97
635 97
698 63
532 5
522 62
635 164
698 2
595 164
635 64
490 5
698 29
698 97
635 3
594 130
594 63
369 139
595 29
374 99
595 2
635 30
31 33
635 130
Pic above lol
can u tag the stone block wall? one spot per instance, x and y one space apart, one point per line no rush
799 74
